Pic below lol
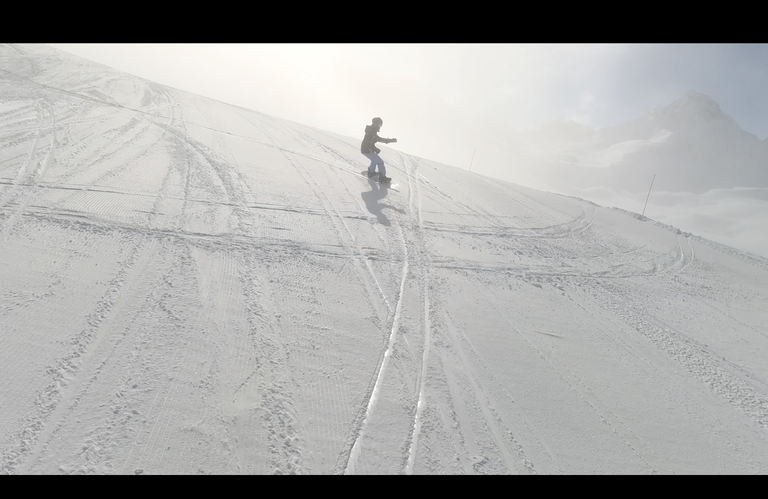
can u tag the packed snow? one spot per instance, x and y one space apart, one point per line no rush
191 287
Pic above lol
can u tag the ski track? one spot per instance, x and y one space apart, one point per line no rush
421 382
24 170
330 212
354 250
347 239
88 341
699 361
354 453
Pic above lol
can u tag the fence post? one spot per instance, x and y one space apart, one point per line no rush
649 195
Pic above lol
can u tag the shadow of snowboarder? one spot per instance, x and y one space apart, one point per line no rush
378 191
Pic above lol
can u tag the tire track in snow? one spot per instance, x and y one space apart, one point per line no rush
417 262
347 460
261 243
184 174
186 170
83 188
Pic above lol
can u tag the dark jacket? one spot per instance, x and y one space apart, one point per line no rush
371 137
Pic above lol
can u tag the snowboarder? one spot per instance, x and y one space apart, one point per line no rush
369 149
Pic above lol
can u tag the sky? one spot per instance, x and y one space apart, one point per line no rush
453 103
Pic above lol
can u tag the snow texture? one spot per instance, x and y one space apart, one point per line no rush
191 287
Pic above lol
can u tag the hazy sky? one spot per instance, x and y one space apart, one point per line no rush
442 101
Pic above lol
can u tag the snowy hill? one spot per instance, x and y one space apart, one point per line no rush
191 287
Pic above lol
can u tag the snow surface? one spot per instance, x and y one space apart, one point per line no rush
191 287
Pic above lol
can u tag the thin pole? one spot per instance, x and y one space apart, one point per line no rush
473 158
649 194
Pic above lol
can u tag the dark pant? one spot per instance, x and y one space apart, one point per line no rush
376 161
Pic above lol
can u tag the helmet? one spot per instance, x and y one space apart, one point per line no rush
377 121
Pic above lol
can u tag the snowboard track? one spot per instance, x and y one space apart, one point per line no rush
42 423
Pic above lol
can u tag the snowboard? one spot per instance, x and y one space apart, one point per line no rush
375 177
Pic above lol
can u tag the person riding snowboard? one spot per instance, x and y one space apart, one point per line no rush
370 151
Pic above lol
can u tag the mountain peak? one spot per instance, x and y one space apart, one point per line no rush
693 104
695 94
695 109
696 98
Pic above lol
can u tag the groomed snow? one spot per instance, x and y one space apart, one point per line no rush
191 287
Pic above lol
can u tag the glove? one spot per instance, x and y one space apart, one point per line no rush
376 150
393 140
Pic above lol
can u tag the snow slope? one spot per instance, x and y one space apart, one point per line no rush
191 287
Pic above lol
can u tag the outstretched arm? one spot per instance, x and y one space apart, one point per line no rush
386 141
